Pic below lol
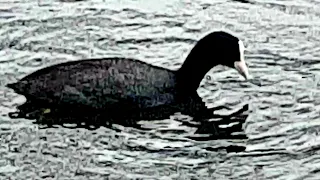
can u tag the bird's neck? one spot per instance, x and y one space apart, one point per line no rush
191 73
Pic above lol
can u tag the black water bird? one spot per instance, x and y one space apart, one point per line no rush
129 88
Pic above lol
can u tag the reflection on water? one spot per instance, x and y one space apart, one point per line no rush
75 117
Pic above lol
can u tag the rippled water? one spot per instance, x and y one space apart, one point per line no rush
282 38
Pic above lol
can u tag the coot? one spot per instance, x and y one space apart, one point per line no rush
134 87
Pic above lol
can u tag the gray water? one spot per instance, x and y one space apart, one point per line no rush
283 123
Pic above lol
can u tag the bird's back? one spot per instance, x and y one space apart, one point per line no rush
101 83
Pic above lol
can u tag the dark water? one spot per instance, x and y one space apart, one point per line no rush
283 123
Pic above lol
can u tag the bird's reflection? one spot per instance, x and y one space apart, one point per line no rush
93 118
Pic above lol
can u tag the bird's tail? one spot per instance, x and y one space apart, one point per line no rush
12 86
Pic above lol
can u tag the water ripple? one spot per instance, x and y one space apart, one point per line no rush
283 120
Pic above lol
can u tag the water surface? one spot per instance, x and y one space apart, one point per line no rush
283 121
